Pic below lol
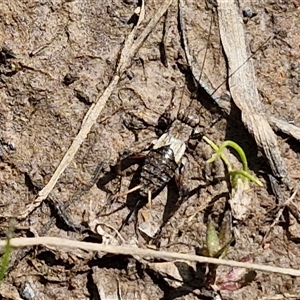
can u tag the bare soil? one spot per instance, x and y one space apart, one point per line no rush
56 57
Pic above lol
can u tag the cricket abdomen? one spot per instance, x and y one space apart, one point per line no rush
159 168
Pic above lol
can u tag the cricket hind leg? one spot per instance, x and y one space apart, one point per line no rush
173 203
134 201
120 170
134 211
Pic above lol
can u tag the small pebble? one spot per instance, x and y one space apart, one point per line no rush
27 293
249 13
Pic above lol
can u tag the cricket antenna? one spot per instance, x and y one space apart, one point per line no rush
252 55
184 43
198 66
206 50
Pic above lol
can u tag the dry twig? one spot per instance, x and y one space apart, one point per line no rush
60 242
242 85
130 48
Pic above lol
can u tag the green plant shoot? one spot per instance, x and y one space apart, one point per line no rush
234 174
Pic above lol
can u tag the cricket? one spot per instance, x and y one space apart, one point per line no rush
165 158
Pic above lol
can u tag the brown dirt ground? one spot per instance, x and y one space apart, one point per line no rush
41 113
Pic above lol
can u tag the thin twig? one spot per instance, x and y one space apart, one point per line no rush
60 242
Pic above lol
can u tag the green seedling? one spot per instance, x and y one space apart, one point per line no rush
5 256
217 244
234 175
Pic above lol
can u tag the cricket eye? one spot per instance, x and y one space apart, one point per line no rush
165 121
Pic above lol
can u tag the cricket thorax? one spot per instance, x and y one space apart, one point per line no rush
180 131
183 127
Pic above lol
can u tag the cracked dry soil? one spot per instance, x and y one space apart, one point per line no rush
56 57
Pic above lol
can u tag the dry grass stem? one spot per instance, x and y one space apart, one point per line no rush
71 244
